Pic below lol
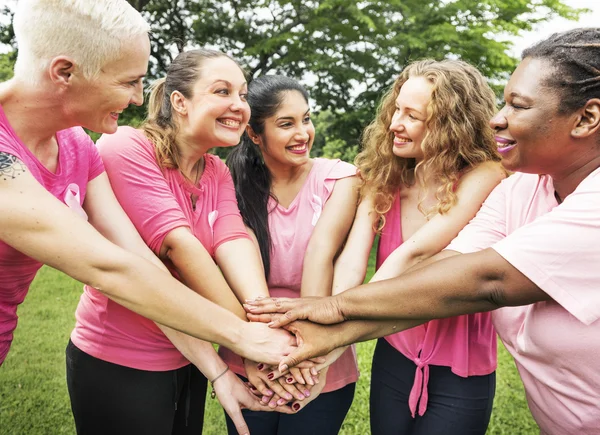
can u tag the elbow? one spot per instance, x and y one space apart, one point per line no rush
111 275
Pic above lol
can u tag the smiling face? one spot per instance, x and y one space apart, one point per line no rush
289 134
96 104
408 122
217 112
531 134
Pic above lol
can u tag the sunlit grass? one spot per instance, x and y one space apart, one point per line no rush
33 391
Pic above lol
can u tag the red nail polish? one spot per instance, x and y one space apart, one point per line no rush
290 380
260 366
296 406
270 376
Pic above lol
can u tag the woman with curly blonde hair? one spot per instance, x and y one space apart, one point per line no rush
428 163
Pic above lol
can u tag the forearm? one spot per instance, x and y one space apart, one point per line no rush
198 352
156 295
198 271
395 265
242 267
354 331
348 273
317 275
458 285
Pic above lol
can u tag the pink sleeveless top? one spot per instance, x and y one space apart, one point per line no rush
291 229
466 344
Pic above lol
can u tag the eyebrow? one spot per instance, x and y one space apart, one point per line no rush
129 79
410 108
226 82
291 117
517 95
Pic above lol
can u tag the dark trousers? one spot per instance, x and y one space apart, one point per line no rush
322 416
456 405
112 399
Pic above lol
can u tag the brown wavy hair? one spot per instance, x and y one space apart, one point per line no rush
457 136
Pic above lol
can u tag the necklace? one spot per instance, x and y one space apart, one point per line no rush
193 197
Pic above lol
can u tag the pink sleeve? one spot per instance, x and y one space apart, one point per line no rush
9 146
487 227
140 185
338 170
229 224
559 251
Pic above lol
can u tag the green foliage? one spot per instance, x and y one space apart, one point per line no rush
347 52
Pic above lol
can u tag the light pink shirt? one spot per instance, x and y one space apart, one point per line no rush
466 344
156 202
555 344
290 230
78 163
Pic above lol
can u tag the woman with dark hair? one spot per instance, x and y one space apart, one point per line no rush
300 210
531 251
127 374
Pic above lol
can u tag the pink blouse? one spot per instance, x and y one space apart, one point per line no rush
291 229
466 344
157 202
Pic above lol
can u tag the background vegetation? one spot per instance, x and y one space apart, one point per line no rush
346 52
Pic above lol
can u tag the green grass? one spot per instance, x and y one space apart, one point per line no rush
33 392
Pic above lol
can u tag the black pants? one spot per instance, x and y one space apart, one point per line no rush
456 405
111 399
322 416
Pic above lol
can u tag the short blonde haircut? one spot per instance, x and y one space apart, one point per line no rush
91 32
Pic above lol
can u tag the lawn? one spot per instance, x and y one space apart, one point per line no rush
33 392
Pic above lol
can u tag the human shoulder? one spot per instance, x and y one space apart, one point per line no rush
126 140
492 172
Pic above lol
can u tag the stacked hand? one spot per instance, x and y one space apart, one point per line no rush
312 338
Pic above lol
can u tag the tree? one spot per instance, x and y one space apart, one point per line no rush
347 53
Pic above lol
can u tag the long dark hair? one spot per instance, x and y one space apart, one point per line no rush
575 59
250 174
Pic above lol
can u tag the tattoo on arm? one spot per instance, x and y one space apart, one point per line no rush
10 166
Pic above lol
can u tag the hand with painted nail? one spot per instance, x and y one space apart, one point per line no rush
323 310
272 392
315 390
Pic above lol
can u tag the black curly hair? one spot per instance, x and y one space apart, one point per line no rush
574 59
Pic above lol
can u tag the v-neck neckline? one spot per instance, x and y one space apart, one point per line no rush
297 197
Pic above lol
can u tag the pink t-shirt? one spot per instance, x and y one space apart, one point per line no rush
555 344
466 344
157 202
290 230
78 163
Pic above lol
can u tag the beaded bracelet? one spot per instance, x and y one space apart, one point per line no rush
212 383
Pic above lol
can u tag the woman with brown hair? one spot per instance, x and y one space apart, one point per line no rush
127 374
428 163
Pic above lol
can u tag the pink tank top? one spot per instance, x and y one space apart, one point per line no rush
290 230
466 344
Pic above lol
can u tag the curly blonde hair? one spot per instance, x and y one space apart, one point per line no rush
457 136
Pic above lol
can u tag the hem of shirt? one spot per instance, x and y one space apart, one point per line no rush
457 372
128 362
546 284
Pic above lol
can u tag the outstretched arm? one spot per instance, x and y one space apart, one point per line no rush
441 229
37 224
